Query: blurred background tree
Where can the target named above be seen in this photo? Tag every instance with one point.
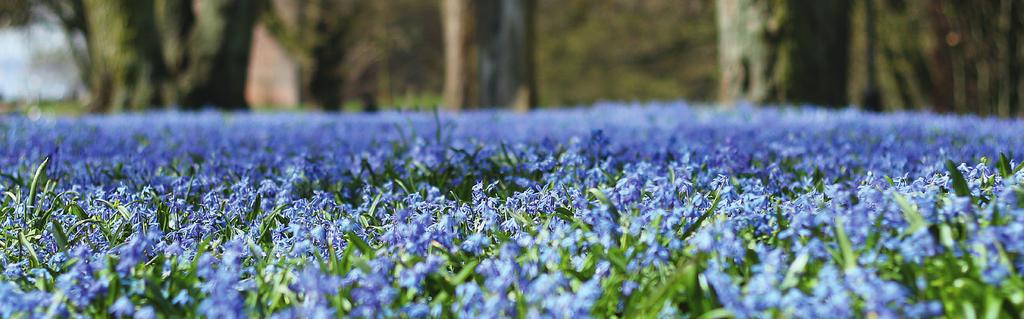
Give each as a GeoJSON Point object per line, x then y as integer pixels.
{"type": "Point", "coordinates": [780, 51]}
{"type": "Point", "coordinates": [141, 54]}
{"type": "Point", "coordinates": [15, 13]}
{"type": "Point", "coordinates": [320, 34]}
{"type": "Point", "coordinates": [489, 53]}
{"type": "Point", "coordinates": [979, 45]}
{"type": "Point", "coordinates": [366, 52]}
{"type": "Point", "coordinates": [943, 55]}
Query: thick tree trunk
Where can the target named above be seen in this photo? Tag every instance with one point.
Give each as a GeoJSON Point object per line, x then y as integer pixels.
{"type": "Point", "coordinates": [793, 51]}
{"type": "Point", "coordinates": [319, 34]}
{"type": "Point", "coordinates": [126, 69]}
{"type": "Point", "coordinates": [144, 54]}
{"type": "Point", "coordinates": [1015, 24]}
{"type": "Point", "coordinates": [871, 98]}
{"type": "Point", "coordinates": [941, 62]}
{"type": "Point", "coordinates": [219, 51]}
{"type": "Point", "coordinates": [457, 22]}
{"type": "Point", "coordinates": [505, 32]}
{"type": "Point", "coordinates": [324, 80]}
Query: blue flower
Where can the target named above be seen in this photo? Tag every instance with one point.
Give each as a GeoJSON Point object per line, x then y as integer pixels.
{"type": "Point", "coordinates": [123, 307]}
{"type": "Point", "coordinates": [146, 312]}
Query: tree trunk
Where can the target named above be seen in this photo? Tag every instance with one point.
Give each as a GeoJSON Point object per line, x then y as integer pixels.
{"type": "Point", "coordinates": [324, 80]}
{"type": "Point", "coordinates": [505, 34]}
{"type": "Point", "coordinates": [941, 62]}
{"type": "Point", "coordinates": [793, 51]}
{"type": "Point", "coordinates": [219, 46]}
{"type": "Point", "coordinates": [457, 22]}
{"type": "Point", "coordinates": [319, 35]}
{"type": "Point", "coordinates": [871, 98]}
{"type": "Point", "coordinates": [979, 56]}
{"type": "Point", "coordinates": [1015, 12]}
{"type": "Point", "coordinates": [126, 70]}
{"type": "Point", "coordinates": [144, 54]}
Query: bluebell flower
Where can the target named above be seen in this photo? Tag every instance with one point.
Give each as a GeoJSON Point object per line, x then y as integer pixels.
{"type": "Point", "coordinates": [511, 193]}
{"type": "Point", "coordinates": [146, 312]}
{"type": "Point", "coordinates": [123, 307]}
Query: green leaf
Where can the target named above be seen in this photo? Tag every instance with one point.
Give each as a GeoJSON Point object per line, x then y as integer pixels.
{"type": "Point", "coordinates": [684, 277]}
{"type": "Point", "coordinates": [946, 236]}
{"type": "Point", "coordinates": [345, 262]}
{"type": "Point", "coordinates": [992, 304]}
{"type": "Point", "coordinates": [76, 210]}
{"type": "Point", "coordinates": [566, 215]}
{"type": "Point", "coordinates": [373, 206]}
{"type": "Point", "coordinates": [910, 212]}
{"type": "Point", "coordinates": [257, 205]}
{"type": "Point", "coordinates": [30, 249]}
{"type": "Point", "coordinates": [464, 274]}
{"type": "Point", "coordinates": [163, 217]}
{"type": "Point", "coordinates": [1005, 170]}
{"type": "Point", "coordinates": [845, 247]}
{"type": "Point", "coordinates": [360, 244]}
{"type": "Point", "coordinates": [969, 312]}
{"type": "Point", "coordinates": [717, 314]}
{"type": "Point", "coordinates": [959, 183]}
{"type": "Point", "coordinates": [59, 235]}
{"type": "Point", "coordinates": [267, 227]}
{"type": "Point", "coordinates": [696, 224]}
{"type": "Point", "coordinates": [818, 178]}
{"type": "Point", "coordinates": [39, 174]}
{"type": "Point", "coordinates": [601, 197]}
{"type": "Point", "coordinates": [795, 269]}
{"type": "Point", "coordinates": [618, 259]}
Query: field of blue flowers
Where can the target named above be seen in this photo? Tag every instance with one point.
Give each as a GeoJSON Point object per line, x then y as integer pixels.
{"type": "Point", "coordinates": [660, 210]}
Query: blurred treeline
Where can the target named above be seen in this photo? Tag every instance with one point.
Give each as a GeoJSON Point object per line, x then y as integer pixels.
{"type": "Point", "coordinates": [944, 55]}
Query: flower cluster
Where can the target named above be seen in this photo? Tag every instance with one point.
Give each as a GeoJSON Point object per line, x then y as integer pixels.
{"type": "Point", "coordinates": [657, 210]}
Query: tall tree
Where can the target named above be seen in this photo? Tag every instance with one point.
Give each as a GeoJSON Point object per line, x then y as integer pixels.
{"type": "Point", "coordinates": [126, 69]}
{"type": "Point", "coordinates": [499, 34]}
{"type": "Point", "coordinates": [940, 61]}
{"type": "Point", "coordinates": [784, 50]}
{"type": "Point", "coordinates": [1014, 15]}
{"type": "Point", "coordinates": [457, 23]}
{"type": "Point", "coordinates": [871, 98]}
{"type": "Point", "coordinates": [142, 54]}
{"type": "Point", "coordinates": [505, 33]}
{"type": "Point", "coordinates": [902, 74]}
{"type": "Point", "coordinates": [206, 50]}
{"type": "Point", "coordinates": [319, 33]}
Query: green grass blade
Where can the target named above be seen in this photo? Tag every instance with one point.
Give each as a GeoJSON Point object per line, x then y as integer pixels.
{"type": "Point", "coordinates": [959, 183]}
{"type": "Point", "coordinates": [845, 247]}
{"type": "Point", "coordinates": [40, 174]}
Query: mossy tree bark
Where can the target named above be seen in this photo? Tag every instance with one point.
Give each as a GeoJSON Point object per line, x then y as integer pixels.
{"type": "Point", "coordinates": [784, 51]}
{"type": "Point", "coordinates": [125, 61]}
{"type": "Point", "coordinates": [145, 54]}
